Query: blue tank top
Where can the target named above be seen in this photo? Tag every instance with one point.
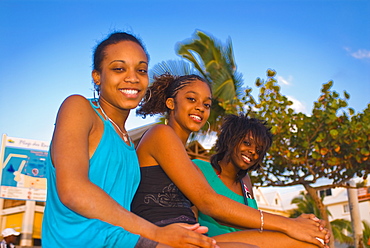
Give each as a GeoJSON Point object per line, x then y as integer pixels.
{"type": "Point", "coordinates": [113, 167]}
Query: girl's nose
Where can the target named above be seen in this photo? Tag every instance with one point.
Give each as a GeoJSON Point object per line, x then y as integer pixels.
{"type": "Point", "coordinates": [131, 78]}
{"type": "Point", "coordinates": [200, 107]}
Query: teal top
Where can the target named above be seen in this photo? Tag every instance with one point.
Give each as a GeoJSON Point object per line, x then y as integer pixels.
{"type": "Point", "coordinates": [113, 167]}
{"type": "Point", "coordinates": [214, 228]}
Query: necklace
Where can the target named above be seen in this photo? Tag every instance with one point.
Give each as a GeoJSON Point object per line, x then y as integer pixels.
{"type": "Point", "coordinates": [124, 134]}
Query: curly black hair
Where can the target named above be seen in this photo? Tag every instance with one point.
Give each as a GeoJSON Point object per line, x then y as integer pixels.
{"type": "Point", "coordinates": [232, 133]}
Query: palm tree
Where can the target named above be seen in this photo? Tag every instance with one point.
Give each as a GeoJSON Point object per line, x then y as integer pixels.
{"type": "Point", "coordinates": [366, 234]}
{"type": "Point", "coordinates": [305, 204]}
{"type": "Point", "coordinates": [341, 228]}
{"type": "Point", "coordinates": [342, 231]}
{"type": "Point", "coordinates": [215, 62]}
{"type": "Point", "coordinates": [174, 67]}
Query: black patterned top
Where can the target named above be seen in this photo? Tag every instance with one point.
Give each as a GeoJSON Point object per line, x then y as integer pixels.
{"type": "Point", "coordinates": [159, 201]}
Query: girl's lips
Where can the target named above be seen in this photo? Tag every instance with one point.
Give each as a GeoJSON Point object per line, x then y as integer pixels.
{"type": "Point", "coordinates": [131, 93]}
{"type": "Point", "coordinates": [196, 118]}
{"type": "Point", "coordinates": [246, 159]}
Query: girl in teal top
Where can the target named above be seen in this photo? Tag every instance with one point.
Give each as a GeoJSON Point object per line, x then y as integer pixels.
{"type": "Point", "coordinates": [215, 228]}
{"type": "Point", "coordinates": [241, 146]}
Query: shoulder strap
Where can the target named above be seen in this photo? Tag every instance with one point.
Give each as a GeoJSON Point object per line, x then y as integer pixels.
{"type": "Point", "coordinates": [246, 193]}
{"type": "Point", "coordinates": [95, 105]}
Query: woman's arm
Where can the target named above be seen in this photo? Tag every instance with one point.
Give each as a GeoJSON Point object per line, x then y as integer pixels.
{"type": "Point", "coordinates": [77, 127]}
{"type": "Point", "coordinates": [162, 145]}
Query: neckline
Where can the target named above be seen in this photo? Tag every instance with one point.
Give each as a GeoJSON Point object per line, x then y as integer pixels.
{"type": "Point", "coordinates": [223, 184]}
{"type": "Point", "coordinates": [125, 135]}
{"type": "Point", "coordinates": [96, 105]}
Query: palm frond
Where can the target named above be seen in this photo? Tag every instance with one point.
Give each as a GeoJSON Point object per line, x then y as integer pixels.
{"type": "Point", "coordinates": [173, 67]}
{"type": "Point", "coordinates": [339, 226]}
{"type": "Point", "coordinates": [216, 63]}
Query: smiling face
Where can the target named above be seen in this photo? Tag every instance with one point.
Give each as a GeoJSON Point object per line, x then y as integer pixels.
{"type": "Point", "coordinates": [123, 78]}
{"type": "Point", "coordinates": [190, 108]}
{"type": "Point", "coordinates": [246, 154]}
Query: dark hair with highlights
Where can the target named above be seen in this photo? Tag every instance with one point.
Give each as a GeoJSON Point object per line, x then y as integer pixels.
{"type": "Point", "coordinates": [114, 38]}
{"type": "Point", "coordinates": [164, 86]}
{"type": "Point", "coordinates": [232, 133]}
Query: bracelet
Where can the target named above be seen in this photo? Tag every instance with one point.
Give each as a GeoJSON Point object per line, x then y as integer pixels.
{"type": "Point", "coordinates": [261, 229]}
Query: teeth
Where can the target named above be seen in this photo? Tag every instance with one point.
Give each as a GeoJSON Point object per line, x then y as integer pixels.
{"type": "Point", "coordinates": [129, 91]}
{"type": "Point", "coordinates": [196, 117]}
{"type": "Point", "coordinates": [246, 158]}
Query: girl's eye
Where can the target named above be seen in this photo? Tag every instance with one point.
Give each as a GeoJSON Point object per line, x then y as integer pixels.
{"type": "Point", "coordinates": [191, 99]}
{"type": "Point", "coordinates": [118, 69]}
{"type": "Point", "coordinates": [143, 71]}
{"type": "Point", "coordinates": [207, 105]}
{"type": "Point", "coordinates": [247, 143]}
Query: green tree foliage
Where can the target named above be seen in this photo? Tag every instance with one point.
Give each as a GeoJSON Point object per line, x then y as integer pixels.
{"type": "Point", "coordinates": [215, 62]}
{"type": "Point", "coordinates": [209, 58]}
{"type": "Point", "coordinates": [333, 142]}
{"type": "Point", "coordinates": [339, 226]}
{"type": "Point", "coordinates": [366, 234]}
{"type": "Point", "coordinates": [305, 204]}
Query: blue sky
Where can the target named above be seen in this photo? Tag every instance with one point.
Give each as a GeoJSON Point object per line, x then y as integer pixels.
{"type": "Point", "coordinates": [46, 47]}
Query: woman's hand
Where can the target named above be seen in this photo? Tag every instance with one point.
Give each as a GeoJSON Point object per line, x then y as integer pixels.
{"type": "Point", "coordinates": [323, 229]}
{"type": "Point", "coordinates": [195, 227]}
{"type": "Point", "coordinates": [307, 227]}
{"type": "Point", "coordinates": [183, 235]}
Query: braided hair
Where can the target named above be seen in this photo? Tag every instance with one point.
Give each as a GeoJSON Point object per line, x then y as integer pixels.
{"type": "Point", "coordinates": [164, 86]}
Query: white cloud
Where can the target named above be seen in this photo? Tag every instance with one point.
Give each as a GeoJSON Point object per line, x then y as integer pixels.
{"type": "Point", "coordinates": [359, 54]}
{"type": "Point", "coordinates": [347, 49]}
{"type": "Point", "coordinates": [284, 81]}
{"type": "Point", "coordinates": [297, 105]}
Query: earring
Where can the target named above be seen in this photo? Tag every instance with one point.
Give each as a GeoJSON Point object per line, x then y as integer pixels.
{"type": "Point", "coordinates": [150, 94]}
{"type": "Point", "coordinates": [94, 94]}
{"type": "Point", "coordinates": [209, 128]}
{"type": "Point", "coordinates": [97, 92]}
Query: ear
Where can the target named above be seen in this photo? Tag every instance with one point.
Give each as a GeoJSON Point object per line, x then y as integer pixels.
{"type": "Point", "coordinates": [96, 77]}
{"type": "Point", "coordinates": [170, 103]}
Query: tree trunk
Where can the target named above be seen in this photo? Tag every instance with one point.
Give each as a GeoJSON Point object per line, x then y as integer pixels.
{"type": "Point", "coordinates": [355, 214]}
{"type": "Point", "coordinates": [313, 193]}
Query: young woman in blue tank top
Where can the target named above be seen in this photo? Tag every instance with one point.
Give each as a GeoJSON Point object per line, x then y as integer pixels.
{"type": "Point", "coordinates": [93, 171]}
{"type": "Point", "coordinates": [171, 182]}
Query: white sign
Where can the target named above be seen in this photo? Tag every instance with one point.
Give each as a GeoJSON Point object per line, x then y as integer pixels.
{"type": "Point", "coordinates": [23, 174]}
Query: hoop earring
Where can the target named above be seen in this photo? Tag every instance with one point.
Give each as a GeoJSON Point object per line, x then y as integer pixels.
{"type": "Point", "coordinates": [150, 94]}
{"type": "Point", "coordinates": [209, 128]}
{"type": "Point", "coordinates": [95, 91]}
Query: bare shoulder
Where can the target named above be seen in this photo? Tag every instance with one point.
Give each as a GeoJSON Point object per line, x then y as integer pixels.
{"type": "Point", "coordinates": [75, 106]}
{"type": "Point", "coordinates": [160, 130]}
{"type": "Point", "coordinates": [75, 109]}
{"type": "Point", "coordinates": [157, 141]}
{"type": "Point", "coordinates": [75, 101]}
{"type": "Point", "coordinates": [157, 134]}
